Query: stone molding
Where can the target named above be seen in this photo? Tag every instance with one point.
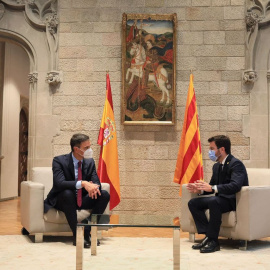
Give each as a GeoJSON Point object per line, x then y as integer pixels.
{"type": "Point", "coordinates": [2, 11]}
{"type": "Point", "coordinates": [42, 15]}
{"type": "Point", "coordinates": [256, 16]}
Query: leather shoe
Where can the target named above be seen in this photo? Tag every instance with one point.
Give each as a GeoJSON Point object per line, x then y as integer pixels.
{"type": "Point", "coordinates": [211, 246]}
{"type": "Point", "coordinates": [202, 244]}
{"type": "Point", "coordinates": [88, 239]}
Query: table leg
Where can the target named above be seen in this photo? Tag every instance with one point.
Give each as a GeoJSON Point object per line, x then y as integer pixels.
{"type": "Point", "coordinates": [79, 247]}
{"type": "Point", "coordinates": [176, 249]}
{"type": "Point", "coordinates": [94, 240]}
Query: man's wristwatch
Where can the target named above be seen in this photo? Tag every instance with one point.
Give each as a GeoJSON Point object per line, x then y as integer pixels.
{"type": "Point", "coordinates": [213, 189]}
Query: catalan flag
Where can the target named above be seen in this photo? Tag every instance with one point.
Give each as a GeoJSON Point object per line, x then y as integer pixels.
{"type": "Point", "coordinates": [189, 165]}
{"type": "Point", "coordinates": [108, 167]}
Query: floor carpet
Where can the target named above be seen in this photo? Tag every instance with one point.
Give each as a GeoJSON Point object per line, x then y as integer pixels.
{"type": "Point", "coordinates": [57, 253]}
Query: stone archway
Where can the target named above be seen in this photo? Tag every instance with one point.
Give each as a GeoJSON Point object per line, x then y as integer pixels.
{"type": "Point", "coordinates": [33, 25]}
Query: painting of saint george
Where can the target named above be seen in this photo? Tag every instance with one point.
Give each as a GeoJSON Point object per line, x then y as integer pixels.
{"type": "Point", "coordinates": [148, 69]}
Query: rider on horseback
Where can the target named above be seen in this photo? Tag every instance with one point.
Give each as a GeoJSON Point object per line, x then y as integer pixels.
{"type": "Point", "coordinates": [151, 63]}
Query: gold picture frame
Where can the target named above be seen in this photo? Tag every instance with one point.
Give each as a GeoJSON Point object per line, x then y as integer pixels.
{"type": "Point", "coordinates": [148, 69]}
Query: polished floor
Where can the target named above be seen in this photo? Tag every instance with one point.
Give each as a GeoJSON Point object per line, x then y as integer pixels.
{"type": "Point", "coordinates": [10, 224]}
{"type": "Point", "coordinates": [137, 251]}
{"type": "Point", "coordinates": [10, 217]}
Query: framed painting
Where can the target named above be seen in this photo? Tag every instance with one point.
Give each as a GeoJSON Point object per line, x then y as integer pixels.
{"type": "Point", "coordinates": [148, 69]}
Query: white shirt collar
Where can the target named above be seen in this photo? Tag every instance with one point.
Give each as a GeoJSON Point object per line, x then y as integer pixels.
{"type": "Point", "coordinates": [75, 160]}
{"type": "Point", "coordinates": [223, 161]}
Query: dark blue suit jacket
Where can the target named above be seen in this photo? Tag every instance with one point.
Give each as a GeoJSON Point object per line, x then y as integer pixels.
{"type": "Point", "coordinates": [232, 178]}
{"type": "Point", "coordinates": [64, 177]}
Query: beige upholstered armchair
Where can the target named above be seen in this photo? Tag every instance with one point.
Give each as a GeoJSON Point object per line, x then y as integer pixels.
{"type": "Point", "coordinates": [250, 221]}
{"type": "Point", "coordinates": [33, 193]}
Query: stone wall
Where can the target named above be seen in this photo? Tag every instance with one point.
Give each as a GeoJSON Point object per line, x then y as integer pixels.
{"type": "Point", "coordinates": [210, 42]}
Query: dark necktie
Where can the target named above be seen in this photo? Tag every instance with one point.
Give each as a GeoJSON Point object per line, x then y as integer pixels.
{"type": "Point", "coordinates": [79, 191]}
{"type": "Point", "coordinates": [220, 172]}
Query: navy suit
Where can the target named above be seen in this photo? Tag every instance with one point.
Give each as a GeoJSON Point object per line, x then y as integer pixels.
{"type": "Point", "coordinates": [62, 196]}
{"type": "Point", "coordinates": [229, 181]}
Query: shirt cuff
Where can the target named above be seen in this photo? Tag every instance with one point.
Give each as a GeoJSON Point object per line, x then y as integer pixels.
{"type": "Point", "coordinates": [215, 188]}
{"type": "Point", "coordinates": [79, 185]}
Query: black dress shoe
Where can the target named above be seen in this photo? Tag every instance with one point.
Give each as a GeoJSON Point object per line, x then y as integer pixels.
{"type": "Point", "coordinates": [202, 244]}
{"type": "Point", "coordinates": [86, 244]}
{"type": "Point", "coordinates": [211, 246]}
{"type": "Point", "coordinates": [87, 238]}
{"type": "Point", "coordinates": [87, 241]}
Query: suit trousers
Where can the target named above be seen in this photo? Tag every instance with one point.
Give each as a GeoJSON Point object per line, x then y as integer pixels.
{"type": "Point", "coordinates": [217, 206]}
{"type": "Point", "coordinates": [67, 202]}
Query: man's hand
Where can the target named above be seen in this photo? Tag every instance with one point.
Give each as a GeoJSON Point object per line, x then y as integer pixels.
{"type": "Point", "coordinates": [201, 185]}
{"type": "Point", "coordinates": [91, 188]}
{"type": "Point", "coordinates": [192, 188]}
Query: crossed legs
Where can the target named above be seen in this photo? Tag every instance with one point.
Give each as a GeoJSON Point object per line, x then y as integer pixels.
{"type": "Point", "coordinates": [66, 202]}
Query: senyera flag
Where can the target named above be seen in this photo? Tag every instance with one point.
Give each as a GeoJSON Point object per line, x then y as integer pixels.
{"type": "Point", "coordinates": [108, 167]}
{"type": "Point", "coordinates": [189, 165]}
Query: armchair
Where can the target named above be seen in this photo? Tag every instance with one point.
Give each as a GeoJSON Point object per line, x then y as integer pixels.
{"type": "Point", "coordinates": [250, 221]}
{"type": "Point", "coordinates": [33, 193]}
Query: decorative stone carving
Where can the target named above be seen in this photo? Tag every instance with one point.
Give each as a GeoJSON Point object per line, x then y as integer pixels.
{"type": "Point", "coordinates": [54, 78]}
{"type": "Point", "coordinates": [52, 23]}
{"type": "Point", "coordinates": [250, 76]}
{"type": "Point", "coordinates": [18, 4]}
{"type": "Point", "coordinates": [33, 77]}
{"type": "Point", "coordinates": [252, 19]}
{"type": "Point", "coordinates": [42, 14]}
{"type": "Point", "coordinates": [2, 11]}
{"type": "Point", "coordinates": [257, 15]}
{"type": "Point", "coordinates": [31, 3]}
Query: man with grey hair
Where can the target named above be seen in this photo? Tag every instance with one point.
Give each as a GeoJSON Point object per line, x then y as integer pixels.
{"type": "Point", "coordinates": [76, 185]}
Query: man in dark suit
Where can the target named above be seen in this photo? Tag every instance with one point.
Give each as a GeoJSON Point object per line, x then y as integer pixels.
{"type": "Point", "coordinates": [76, 185]}
{"type": "Point", "coordinates": [229, 175]}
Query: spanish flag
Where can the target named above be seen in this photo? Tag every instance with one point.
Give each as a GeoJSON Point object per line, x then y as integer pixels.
{"type": "Point", "coordinates": [189, 165]}
{"type": "Point", "coordinates": [108, 167]}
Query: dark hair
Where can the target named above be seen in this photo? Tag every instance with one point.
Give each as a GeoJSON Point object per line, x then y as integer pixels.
{"type": "Point", "coordinates": [222, 141]}
{"type": "Point", "coordinates": [77, 139]}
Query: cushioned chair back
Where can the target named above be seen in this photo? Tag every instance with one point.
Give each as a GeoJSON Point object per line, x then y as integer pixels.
{"type": "Point", "coordinates": [44, 176]}
{"type": "Point", "coordinates": [258, 176]}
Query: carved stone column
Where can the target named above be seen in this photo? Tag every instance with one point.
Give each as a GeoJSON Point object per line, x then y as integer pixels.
{"type": "Point", "coordinates": [256, 124]}
{"type": "Point", "coordinates": [256, 17]}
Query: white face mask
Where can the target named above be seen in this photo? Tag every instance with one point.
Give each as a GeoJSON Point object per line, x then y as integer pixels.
{"type": "Point", "coordinates": [88, 153]}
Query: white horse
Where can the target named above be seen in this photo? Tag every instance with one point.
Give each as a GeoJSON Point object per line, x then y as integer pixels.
{"type": "Point", "coordinates": [160, 77]}
{"type": "Point", "coordinates": [139, 57]}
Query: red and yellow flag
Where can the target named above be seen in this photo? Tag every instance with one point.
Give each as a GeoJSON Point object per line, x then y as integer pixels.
{"type": "Point", "coordinates": [189, 165]}
{"type": "Point", "coordinates": [108, 167]}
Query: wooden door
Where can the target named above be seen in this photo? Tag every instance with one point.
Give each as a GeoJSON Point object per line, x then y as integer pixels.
{"type": "Point", "coordinates": [23, 149]}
